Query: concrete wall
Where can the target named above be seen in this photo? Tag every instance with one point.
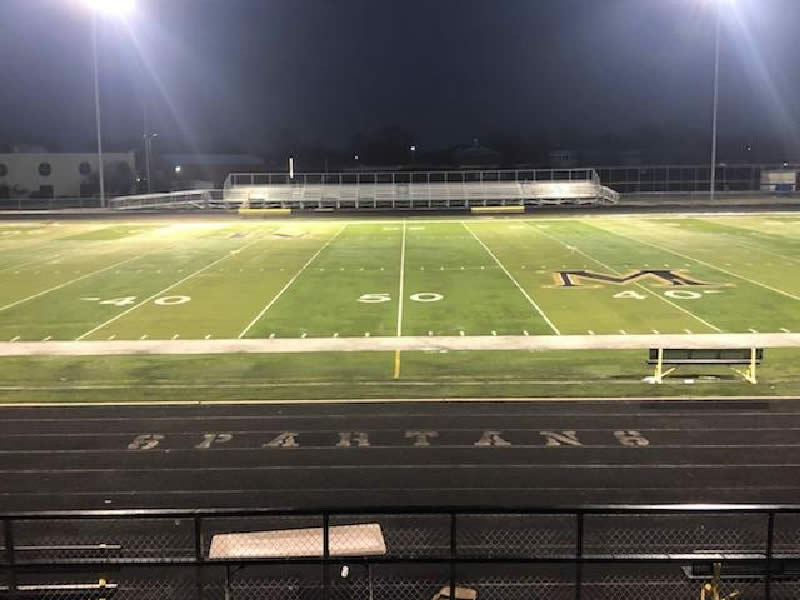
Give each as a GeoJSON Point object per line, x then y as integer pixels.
{"type": "Point", "coordinates": [20, 171]}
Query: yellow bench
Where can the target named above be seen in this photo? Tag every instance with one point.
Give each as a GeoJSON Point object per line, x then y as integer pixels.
{"type": "Point", "coordinates": [494, 210]}
{"type": "Point", "coordinates": [265, 212]}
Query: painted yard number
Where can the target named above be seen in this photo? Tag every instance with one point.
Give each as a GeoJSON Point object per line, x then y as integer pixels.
{"type": "Point", "coordinates": [420, 297]}
{"type": "Point", "coordinates": [674, 294]}
{"type": "Point", "coordinates": [131, 300]}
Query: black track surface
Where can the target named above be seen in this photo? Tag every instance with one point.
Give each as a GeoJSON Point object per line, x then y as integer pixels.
{"type": "Point", "coordinates": [696, 451]}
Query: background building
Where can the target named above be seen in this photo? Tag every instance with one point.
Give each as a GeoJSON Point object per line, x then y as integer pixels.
{"type": "Point", "coordinates": [52, 175]}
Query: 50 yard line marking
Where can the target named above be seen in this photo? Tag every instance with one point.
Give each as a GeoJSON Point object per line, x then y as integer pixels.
{"type": "Point", "coordinates": [166, 289]}
{"type": "Point", "coordinates": [400, 301]}
{"type": "Point", "coordinates": [289, 284]}
{"type": "Point", "coordinates": [645, 288]}
{"type": "Point", "coordinates": [514, 281]}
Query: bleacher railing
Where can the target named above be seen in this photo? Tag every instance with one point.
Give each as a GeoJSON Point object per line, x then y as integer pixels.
{"type": "Point", "coordinates": [585, 552]}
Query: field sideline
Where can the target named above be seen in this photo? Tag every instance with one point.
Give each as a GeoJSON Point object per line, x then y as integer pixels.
{"type": "Point", "coordinates": [206, 280]}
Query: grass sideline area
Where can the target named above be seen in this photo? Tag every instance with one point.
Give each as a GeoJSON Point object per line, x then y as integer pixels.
{"type": "Point", "coordinates": [176, 279]}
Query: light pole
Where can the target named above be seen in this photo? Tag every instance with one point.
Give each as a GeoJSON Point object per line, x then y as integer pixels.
{"type": "Point", "coordinates": [712, 187]}
{"type": "Point", "coordinates": [119, 8]}
{"type": "Point", "coordinates": [148, 149]}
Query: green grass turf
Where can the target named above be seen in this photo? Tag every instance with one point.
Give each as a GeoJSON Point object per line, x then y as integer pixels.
{"type": "Point", "coordinates": [196, 279]}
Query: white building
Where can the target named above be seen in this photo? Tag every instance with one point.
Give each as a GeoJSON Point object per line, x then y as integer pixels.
{"type": "Point", "coordinates": [50, 174]}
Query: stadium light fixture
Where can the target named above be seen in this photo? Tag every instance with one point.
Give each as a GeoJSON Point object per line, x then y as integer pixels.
{"type": "Point", "coordinates": [119, 8]}
{"type": "Point", "coordinates": [178, 169]}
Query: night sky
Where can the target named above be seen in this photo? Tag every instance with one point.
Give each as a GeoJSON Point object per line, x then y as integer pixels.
{"type": "Point", "coordinates": [251, 75]}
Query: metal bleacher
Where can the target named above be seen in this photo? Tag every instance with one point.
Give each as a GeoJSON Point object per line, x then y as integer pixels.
{"type": "Point", "coordinates": [398, 190]}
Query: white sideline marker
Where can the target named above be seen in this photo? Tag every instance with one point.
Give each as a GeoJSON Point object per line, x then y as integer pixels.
{"type": "Point", "coordinates": [48, 338]}
{"type": "Point", "coordinates": [494, 332]}
{"type": "Point", "coordinates": [144, 337]}
{"type": "Point", "coordinates": [751, 330]}
{"type": "Point", "coordinates": [689, 331]}
{"type": "Point", "coordinates": [15, 338]}
{"type": "Point", "coordinates": [208, 336]}
{"type": "Point", "coordinates": [272, 336]}
{"type": "Point", "coordinates": [525, 332]}
{"type": "Point", "coordinates": [784, 330]}
{"type": "Point", "coordinates": [175, 337]}
{"type": "Point", "coordinates": [591, 332]}
{"type": "Point", "coordinates": [461, 332]}
{"type": "Point", "coordinates": [303, 336]}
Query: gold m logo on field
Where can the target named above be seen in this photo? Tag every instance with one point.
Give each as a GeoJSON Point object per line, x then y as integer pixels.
{"type": "Point", "coordinates": [576, 278]}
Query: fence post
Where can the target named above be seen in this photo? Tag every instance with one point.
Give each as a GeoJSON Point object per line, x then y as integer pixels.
{"type": "Point", "coordinates": [453, 556]}
{"type": "Point", "coordinates": [326, 554]}
{"type": "Point", "coordinates": [578, 555]}
{"type": "Point", "coordinates": [8, 535]}
{"type": "Point", "coordinates": [770, 545]}
{"type": "Point", "coordinates": [198, 555]}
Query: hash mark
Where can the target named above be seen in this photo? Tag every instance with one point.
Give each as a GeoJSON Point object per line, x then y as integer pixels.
{"type": "Point", "coordinates": [751, 330]}
{"type": "Point", "coordinates": [111, 337]}
{"type": "Point", "coordinates": [144, 337]}
{"type": "Point", "coordinates": [175, 337]}
{"type": "Point", "coordinates": [460, 332]}
{"type": "Point", "coordinates": [303, 336]}
{"type": "Point", "coordinates": [784, 330]}
{"type": "Point", "coordinates": [591, 332]}
{"type": "Point", "coordinates": [208, 336]}
{"type": "Point", "coordinates": [494, 332]}
{"type": "Point", "coordinates": [15, 338]}
{"type": "Point", "coordinates": [272, 336]}
{"type": "Point", "coordinates": [689, 331]}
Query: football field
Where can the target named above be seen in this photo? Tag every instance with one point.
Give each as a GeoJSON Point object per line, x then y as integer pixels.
{"type": "Point", "coordinates": [190, 279]}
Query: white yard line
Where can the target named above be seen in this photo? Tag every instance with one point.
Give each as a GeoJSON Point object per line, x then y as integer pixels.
{"type": "Point", "coordinates": [514, 281]}
{"type": "Point", "coordinates": [402, 283]}
{"type": "Point", "coordinates": [289, 284]}
{"type": "Point", "coordinates": [70, 282]}
{"type": "Point", "coordinates": [166, 289]}
{"type": "Point", "coordinates": [706, 264]}
{"type": "Point", "coordinates": [639, 285]}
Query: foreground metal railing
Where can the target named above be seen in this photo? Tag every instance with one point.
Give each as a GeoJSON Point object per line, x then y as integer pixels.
{"type": "Point", "coordinates": [607, 551]}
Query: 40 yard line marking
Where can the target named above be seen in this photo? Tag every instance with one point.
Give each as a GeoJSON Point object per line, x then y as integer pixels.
{"type": "Point", "coordinates": [400, 301]}
{"type": "Point", "coordinates": [706, 264]}
{"type": "Point", "coordinates": [645, 288]}
{"type": "Point", "coordinates": [166, 289]}
{"type": "Point", "coordinates": [289, 284]}
{"type": "Point", "coordinates": [70, 282]}
{"type": "Point", "coordinates": [514, 281]}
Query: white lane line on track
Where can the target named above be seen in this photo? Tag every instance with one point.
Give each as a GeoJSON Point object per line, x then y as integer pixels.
{"type": "Point", "coordinates": [514, 281]}
{"type": "Point", "coordinates": [639, 285]}
{"type": "Point", "coordinates": [165, 290]}
{"type": "Point", "coordinates": [289, 284]}
{"type": "Point", "coordinates": [70, 282]}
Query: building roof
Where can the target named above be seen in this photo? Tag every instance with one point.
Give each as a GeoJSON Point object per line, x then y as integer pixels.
{"type": "Point", "coordinates": [213, 159]}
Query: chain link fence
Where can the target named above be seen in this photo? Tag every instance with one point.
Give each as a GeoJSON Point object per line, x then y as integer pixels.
{"type": "Point", "coordinates": [612, 553]}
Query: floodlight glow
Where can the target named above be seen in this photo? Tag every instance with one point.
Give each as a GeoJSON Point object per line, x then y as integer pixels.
{"type": "Point", "coordinates": [178, 169]}
{"type": "Point", "coordinates": [112, 7]}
